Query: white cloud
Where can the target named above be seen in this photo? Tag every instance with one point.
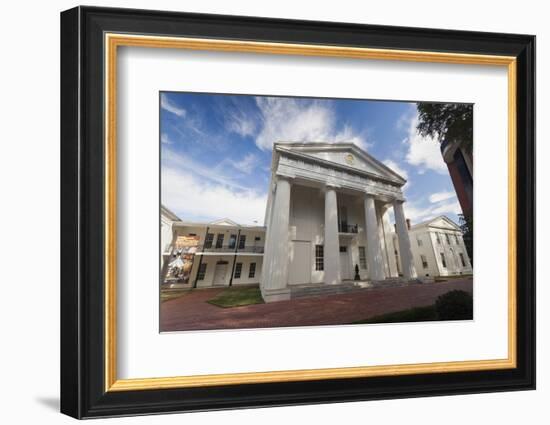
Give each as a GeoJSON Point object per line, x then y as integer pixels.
{"type": "Point", "coordinates": [167, 105]}
{"type": "Point", "coordinates": [285, 119]}
{"type": "Point", "coordinates": [418, 214]}
{"type": "Point", "coordinates": [396, 167]}
{"type": "Point", "coordinates": [210, 174]}
{"type": "Point", "coordinates": [247, 164]}
{"type": "Point", "coordinates": [441, 196]}
{"type": "Point", "coordinates": [193, 198]}
{"type": "Point", "coordinates": [240, 123]}
{"type": "Point", "coordinates": [423, 152]}
{"type": "Point", "coordinates": [164, 138]}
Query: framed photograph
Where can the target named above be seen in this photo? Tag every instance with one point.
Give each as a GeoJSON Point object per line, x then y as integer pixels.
{"type": "Point", "coordinates": [261, 212]}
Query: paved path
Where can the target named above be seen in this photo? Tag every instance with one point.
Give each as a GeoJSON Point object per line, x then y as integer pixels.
{"type": "Point", "coordinates": [192, 312]}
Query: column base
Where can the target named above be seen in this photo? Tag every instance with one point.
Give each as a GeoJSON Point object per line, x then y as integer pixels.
{"type": "Point", "coordinates": [425, 279]}
{"type": "Point", "coordinates": [274, 295]}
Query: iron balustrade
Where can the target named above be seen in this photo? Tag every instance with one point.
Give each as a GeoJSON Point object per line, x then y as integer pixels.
{"type": "Point", "coordinates": [347, 228]}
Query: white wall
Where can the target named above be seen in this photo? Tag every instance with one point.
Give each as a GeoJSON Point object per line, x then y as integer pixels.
{"type": "Point", "coordinates": [307, 226]}
{"type": "Point", "coordinates": [165, 238]}
{"type": "Point", "coordinates": [431, 249]}
{"type": "Point", "coordinates": [29, 171]}
{"type": "Point", "coordinates": [211, 260]}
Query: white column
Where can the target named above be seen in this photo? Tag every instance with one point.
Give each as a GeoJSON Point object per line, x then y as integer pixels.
{"type": "Point", "coordinates": [407, 262]}
{"type": "Point", "coordinates": [375, 261]}
{"type": "Point", "coordinates": [267, 224]}
{"type": "Point", "coordinates": [332, 240]}
{"type": "Point", "coordinates": [275, 276]}
{"type": "Point", "coordinates": [382, 240]}
{"type": "Point", "coordinates": [390, 248]}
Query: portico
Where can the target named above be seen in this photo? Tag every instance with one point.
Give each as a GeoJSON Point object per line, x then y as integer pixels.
{"type": "Point", "coordinates": [327, 215]}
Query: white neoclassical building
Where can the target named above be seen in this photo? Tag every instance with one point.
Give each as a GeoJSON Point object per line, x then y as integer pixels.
{"type": "Point", "coordinates": [327, 211]}
{"type": "Point", "coordinates": [438, 248]}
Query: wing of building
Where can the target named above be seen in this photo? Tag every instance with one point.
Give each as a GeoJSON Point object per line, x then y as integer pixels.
{"type": "Point", "coordinates": [219, 253]}
{"type": "Point", "coordinates": [438, 248]}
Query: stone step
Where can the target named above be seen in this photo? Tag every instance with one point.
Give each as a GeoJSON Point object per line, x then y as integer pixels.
{"type": "Point", "coordinates": [346, 288]}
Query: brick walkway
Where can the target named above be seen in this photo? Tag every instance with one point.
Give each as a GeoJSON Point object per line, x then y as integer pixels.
{"type": "Point", "coordinates": [192, 312]}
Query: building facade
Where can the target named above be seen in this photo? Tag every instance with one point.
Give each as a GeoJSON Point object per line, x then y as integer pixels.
{"type": "Point", "coordinates": [327, 212]}
{"type": "Point", "coordinates": [217, 254]}
{"type": "Point", "coordinates": [327, 222]}
{"type": "Point", "coordinates": [460, 165]}
{"type": "Point", "coordinates": [438, 249]}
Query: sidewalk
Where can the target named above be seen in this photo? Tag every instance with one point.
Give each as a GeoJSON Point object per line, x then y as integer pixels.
{"type": "Point", "coordinates": [192, 312]}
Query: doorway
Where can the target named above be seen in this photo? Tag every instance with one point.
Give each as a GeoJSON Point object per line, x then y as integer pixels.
{"type": "Point", "coordinates": [220, 273]}
{"type": "Point", "coordinates": [345, 263]}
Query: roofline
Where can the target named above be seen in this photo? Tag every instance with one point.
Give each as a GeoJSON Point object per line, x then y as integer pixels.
{"type": "Point", "coordinates": [223, 226]}
{"type": "Point", "coordinates": [169, 213]}
{"type": "Point", "coordinates": [283, 145]}
{"type": "Point", "coordinates": [427, 222]}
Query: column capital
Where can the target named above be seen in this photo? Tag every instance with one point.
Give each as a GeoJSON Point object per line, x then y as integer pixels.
{"type": "Point", "coordinates": [369, 195]}
{"type": "Point", "coordinates": [331, 185]}
{"type": "Point", "coordinates": [398, 201]}
{"type": "Point", "coordinates": [284, 177]}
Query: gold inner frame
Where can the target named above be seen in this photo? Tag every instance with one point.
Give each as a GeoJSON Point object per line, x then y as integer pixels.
{"type": "Point", "coordinates": [113, 41]}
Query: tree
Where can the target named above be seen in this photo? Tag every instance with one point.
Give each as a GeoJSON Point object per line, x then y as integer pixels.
{"type": "Point", "coordinates": [466, 223]}
{"type": "Point", "coordinates": [446, 121]}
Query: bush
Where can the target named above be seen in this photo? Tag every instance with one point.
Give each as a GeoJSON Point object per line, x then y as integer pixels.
{"type": "Point", "coordinates": [455, 305]}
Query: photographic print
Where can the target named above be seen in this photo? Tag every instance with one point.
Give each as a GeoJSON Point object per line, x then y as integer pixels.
{"type": "Point", "coordinates": [291, 211]}
{"type": "Point", "coordinates": [259, 183]}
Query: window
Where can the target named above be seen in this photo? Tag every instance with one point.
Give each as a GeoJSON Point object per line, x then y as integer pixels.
{"type": "Point", "coordinates": [362, 257]}
{"type": "Point", "coordinates": [419, 241]}
{"type": "Point", "coordinates": [343, 249]}
{"type": "Point", "coordinates": [343, 219]}
{"type": "Point", "coordinates": [424, 261]}
{"type": "Point", "coordinates": [202, 271]}
{"type": "Point", "coordinates": [456, 239]}
{"type": "Point", "coordinates": [219, 241]}
{"type": "Point", "coordinates": [232, 241]}
{"type": "Point", "coordinates": [238, 270]}
{"type": "Point", "coordinates": [447, 239]}
{"type": "Point", "coordinates": [319, 257]}
{"type": "Point", "coordinates": [443, 259]}
{"type": "Point", "coordinates": [208, 240]}
{"type": "Point", "coordinates": [192, 234]}
{"type": "Point", "coordinates": [438, 239]}
{"type": "Point", "coordinates": [257, 238]}
{"type": "Point", "coordinates": [242, 241]}
{"type": "Point", "coordinates": [462, 260]}
{"type": "Point", "coordinates": [252, 270]}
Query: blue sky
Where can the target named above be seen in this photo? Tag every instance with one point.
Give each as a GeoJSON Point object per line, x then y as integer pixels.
{"type": "Point", "coordinates": [216, 150]}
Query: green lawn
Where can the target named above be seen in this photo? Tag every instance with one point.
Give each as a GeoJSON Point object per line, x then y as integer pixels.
{"type": "Point", "coordinates": [417, 314]}
{"type": "Point", "coordinates": [236, 297]}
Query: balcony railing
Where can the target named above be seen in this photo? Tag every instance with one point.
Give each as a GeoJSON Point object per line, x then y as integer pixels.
{"type": "Point", "coordinates": [347, 228]}
{"type": "Point", "coordinates": [252, 249]}
{"type": "Point", "coordinates": [227, 249]}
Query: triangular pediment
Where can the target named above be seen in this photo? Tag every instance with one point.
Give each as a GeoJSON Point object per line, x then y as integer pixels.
{"type": "Point", "coordinates": [224, 222]}
{"type": "Point", "coordinates": [442, 222]}
{"type": "Point", "coordinates": [344, 155]}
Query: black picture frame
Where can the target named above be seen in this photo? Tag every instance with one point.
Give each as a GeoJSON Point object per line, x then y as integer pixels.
{"type": "Point", "coordinates": [83, 392]}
